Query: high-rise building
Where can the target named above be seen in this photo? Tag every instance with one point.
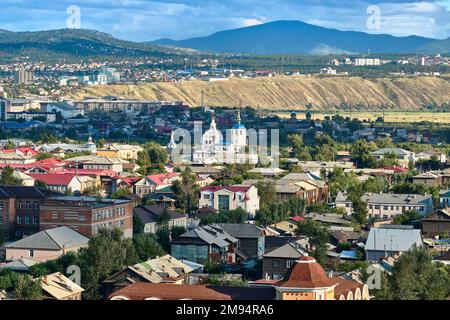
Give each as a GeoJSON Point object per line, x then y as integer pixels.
{"type": "Point", "coordinates": [3, 109]}
{"type": "Point", "coordinates": [24, 77]}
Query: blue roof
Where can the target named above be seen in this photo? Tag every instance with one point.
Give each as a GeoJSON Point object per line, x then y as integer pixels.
{"type": "Point", "coordinates": [349, 255]}
{"type": "Point", "coordinates": [238, 126]}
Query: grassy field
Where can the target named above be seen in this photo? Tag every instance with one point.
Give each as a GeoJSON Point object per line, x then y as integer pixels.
{"type": "Point", "coordinates": [390, 117]}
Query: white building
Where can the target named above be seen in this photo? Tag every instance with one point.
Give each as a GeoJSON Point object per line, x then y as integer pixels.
{"type": "Point", "coordinates": [213, 148]}
{"type": "Point", "coordinates": [226, 198]}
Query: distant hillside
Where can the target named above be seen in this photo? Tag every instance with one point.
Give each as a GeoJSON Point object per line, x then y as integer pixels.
{"type": "Point", "coordinates": [290, 37]}
{"type": "Point", "coordinates": [282, 93]}
{"type": "Point", "coordinates": [73, 43]}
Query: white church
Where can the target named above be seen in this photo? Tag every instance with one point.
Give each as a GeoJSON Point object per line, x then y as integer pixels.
{"type": "Point", "coordinates": [214, 149]}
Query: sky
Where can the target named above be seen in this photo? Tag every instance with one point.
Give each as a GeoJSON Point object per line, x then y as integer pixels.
{"type": "Point", "coordinates": [146, 20]}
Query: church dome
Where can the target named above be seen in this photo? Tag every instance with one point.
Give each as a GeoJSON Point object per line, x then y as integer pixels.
{"type": "Point", "coordinates": [238, 126]}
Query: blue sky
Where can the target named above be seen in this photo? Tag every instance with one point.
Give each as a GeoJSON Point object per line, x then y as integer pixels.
{"type": "Point", "coordinates": [142, 20]}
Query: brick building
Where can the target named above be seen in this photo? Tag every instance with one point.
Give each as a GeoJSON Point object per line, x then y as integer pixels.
{"type": "Point", "coordinates": [19, 210]}
{"type": "Point", "coordinates": [87, 215]}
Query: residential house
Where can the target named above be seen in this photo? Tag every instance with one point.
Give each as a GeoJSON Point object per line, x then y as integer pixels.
{"type": "Point", "coordinates": [444, 198]}
{"type": "Point", "coordinates": [277, 263]}
{"type": "Point", "coordinates": [99, 163]}
{"type": "Point", "coordinates": [165, 269]}
{"type": "Point", "coordinates": [205, 243]}
{"type": "Point", "coordinates": [227, 198]}
{"type": "Point", "coordinates": [404, 157]}
{"type": "Point", "coordinates": [437, 223]}
{"type": "Point", "coordinates": [428, 155]}
{"type": "Point", "coordinates": [19, 210]}
{"type": "Point", "coordinates": [388, 240]}
{"type": "Point", "coordinates": [306, 280]}
{"type": "Point", "coordinates": [67, 182]}
{"type": "Point", "coordinates": [46, 245]}
{"type": "Point", "coordinates": [389, 205]}
{"type": "Point", "coordinates": [122, 151]}
{"type": "Point", "coordinates": [87, 215]}
{"type": "Point", "coordinates": [149, 216]}
{"type": "Point", "coordinates": [250, 236]}
{"type": "Point", "coordinates": [155, 182]}
{"type": "Point", "coordinates": [56, 286]}
{"type": "Point", "coordinates": [429, 179]}
{"type": "Point", "coordinates": [268, 172]}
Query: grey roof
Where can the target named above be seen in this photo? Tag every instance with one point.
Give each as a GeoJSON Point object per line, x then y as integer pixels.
{"type": "Point", "coordinates": [211, 234]}
{"type": "Point", "coordinates": [393, 239]}
{"type": "Point", "coordinates": [300, 177]}
{"type": "Point", "coordinates": [7, 192]}
{"type": "Point", "coordinates": [389, 198]}
{"type": "Point", "coordinates": [242, 230]}
{"type": "Point", "coordinates": [51, 239]}
{"type": "Point", "coordinates": [289, 250]}
{"type": "Point", "coordinates": [396, 151]}
{"type": "Point", "coordinates": [21, 265]}
{"type": "Point", "coordinates": [149, 214]}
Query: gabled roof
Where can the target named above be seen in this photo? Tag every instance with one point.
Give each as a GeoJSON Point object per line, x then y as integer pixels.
{"type": "Point", "coordinates": [289, 251]}
{"type": "Point", "coordinates": [242, 230]}
{"type": "Point", "coordinates": [51, 239]}
{"type": "Point", "coordinates": [392, 239]}
{"type": "Point", "coordinates": [149, 214]}
{"type": "Point", "coordinates": [211, 234]}
{"type": "Point", "coordinates": [54, 178]}
{"type": "Point", "coordinates": [59, 286]}
{"type": "Point", "coordinates": [396, 151]}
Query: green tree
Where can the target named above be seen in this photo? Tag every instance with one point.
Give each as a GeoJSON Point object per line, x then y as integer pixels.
{"type": "Point", "coordinates": [362, 152]}
{"type": "Point", "coordinates": [43, 155]}
{"type": "Point", "coordinates": [7, 177]}
{"type": "Point", "coordinates": [177, 231]}
{"type": "Point", "coordinates": [147, 247]}
{"type": "Point", "coordinates": [27, 289]}
{"type": "Point", "coordinates": [415, 277]}
{"type": "Point", "coordinates": [163, 238]}
{"type": "Point", "coordinates": [40, 184]}
{"type": "Point", "coordinates": [122, 192]}
{"type": "Point", "coordinates": [186, 191]}
{"type": "Point", "coordinates": [108, 252]}
{"type": "Point", "coordinates": [318, 237]}
{"type": "Point", "coordinates": [266, 192]}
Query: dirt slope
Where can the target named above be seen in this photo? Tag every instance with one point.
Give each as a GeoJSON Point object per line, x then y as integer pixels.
{"type": "Point", "coordinates": [283, 93]}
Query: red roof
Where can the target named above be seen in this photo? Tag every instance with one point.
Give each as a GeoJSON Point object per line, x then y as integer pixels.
{"type": "Point", "coordinates": [162, 178]}
{"type": "Point", "coordinates": [52, 161]}
{"type": "Point", "coordinates": [297, 218]}
{"type": "Point", "coordinates": [233, 189]}
{"type": "Point", "coordinates": [91, 172]}
{"type": "Point", "coordinates": [397, 169]}
{"type": "Point", "coordinates": [53, 178]}
{"type": "Point", "coordinates": [23, 150]}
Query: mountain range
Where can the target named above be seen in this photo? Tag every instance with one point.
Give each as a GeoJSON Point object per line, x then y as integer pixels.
{"type": "Point", "coordinates": [296, 37]}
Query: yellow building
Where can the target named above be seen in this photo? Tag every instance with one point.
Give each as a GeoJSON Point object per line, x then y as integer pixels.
{"type": "Point", "coordinates": [307, 280]}
{"type": "Point", "coordinates": [121, 151]}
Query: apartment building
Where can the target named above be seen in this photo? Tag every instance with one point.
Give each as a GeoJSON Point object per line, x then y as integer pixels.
{"type": "Point", "coordinates": [19, 210]}
{"type": "Point", "coordinates": [388, 205]}
{"type": "Point", "coordinates": [87, 215]}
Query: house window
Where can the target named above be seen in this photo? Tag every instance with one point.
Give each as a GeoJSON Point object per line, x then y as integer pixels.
{"type": "Point", "coordinates": [385, 208]}
{"type": "Point", "coordinates": [207, 196]}
{"type": "Point", "coordinates": [19, 219]}
{"type": "Point", "coordinates": [1, 205]}
{"type": "Point", "coordinates": [35, 220]}
{"type": "Point", "coordinates": [28, 205]}
{"type": "Point", "coordinates": [27, 220]}
{"type": "Point", "coordinates": [31, 253]}
{"type": "Point", "coordinates": [1, 220]}
{"type": "Point", "coordinates": [288, 264]}
{"type": "Point", "coordinates": [36, 206]}
{"type": "Point", "coordinates": [224, 203]}
{"type": "Point", "coordinates": [275, 264]}
{"type": "Point", "coordinates": [20, 205]}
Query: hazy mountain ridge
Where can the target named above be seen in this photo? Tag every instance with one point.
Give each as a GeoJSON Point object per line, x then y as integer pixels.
{"type": "Point", "coordinates": [291, 37]}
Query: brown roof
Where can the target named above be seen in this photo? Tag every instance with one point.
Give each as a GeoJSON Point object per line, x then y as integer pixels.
{"type": "Point", "coordinates": [306, 273]}
{"type": "Point", "coordinates": [164, 291]}
{"type": "Point", "coordinates": [344, 286]}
